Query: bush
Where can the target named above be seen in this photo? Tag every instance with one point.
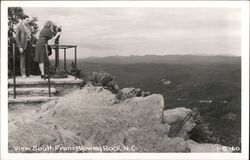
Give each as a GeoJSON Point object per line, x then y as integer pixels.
{"type": "Point", "coordinates": [74, 71]}
{"type": "Point", "coordinates": [127, 93]}
{"type": "Point", "coordinates": [109, 82]}
{"type": "Point", "coordinates": [201, 132]}
{"type": "Point", "coordinates": [104, 79]}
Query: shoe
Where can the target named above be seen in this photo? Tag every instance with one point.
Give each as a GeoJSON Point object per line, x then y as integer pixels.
{"type": "Point", "coordinates": [24, 76]}
{"type": "Point", "coordinates": [44, 77]}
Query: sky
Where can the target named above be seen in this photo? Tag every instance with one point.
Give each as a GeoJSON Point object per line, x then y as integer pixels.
{"type": "Point", "coordinates": [101, 32]}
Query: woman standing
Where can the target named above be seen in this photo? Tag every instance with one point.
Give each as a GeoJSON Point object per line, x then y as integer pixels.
{"type": "Point", "coordinates": [40, 52]}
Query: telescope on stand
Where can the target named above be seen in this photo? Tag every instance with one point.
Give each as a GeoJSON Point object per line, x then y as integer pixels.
{"type": "Point", "coordinates": [56, 72]}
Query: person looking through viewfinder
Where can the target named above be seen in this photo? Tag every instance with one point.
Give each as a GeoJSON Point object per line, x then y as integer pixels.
{"type": "Point", "coordinates": [40, 51]}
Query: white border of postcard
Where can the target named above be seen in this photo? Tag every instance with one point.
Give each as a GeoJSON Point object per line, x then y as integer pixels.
{"type": "Point", "coordinates": [243, 5]}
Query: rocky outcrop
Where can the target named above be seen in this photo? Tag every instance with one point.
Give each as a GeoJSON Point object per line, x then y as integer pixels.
{"type": "Point", "coordinates": [181, 121]}
{"type": "Point", "coordinates": [89, 118]}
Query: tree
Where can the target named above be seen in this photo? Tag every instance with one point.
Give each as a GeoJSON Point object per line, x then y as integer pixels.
{"type": "Point", "coordinates": [14, 14]}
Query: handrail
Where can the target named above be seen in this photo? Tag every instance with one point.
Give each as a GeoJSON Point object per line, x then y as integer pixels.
{"type": "Point", "coordinates": [75, 62]}
{"type": "Point", "coordinates": [49, 81]}
{"type": "Point", "coordinates": [49, 86]}
{"type": "Point", "coordinates": [14, 71]}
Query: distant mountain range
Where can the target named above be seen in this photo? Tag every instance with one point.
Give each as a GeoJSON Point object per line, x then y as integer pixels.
{"type": "Point", "coordinates": [165, 59]}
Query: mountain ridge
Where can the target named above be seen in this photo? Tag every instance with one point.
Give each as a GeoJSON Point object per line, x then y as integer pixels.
{"type": "Point", "coordinates": [164, 59]}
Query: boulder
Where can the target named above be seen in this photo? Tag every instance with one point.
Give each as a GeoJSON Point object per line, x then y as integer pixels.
{"type": "Point", "coordinates": [90, 118]}
{"type": "Point", "coordinates": [181, 121]}
{"type": "Point", "coordinates": [172, 116]}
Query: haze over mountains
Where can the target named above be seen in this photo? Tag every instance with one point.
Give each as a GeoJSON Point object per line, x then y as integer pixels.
{"type": "Point", "coordinates": [166, 59]}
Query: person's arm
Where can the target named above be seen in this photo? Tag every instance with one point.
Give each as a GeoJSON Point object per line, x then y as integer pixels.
{"type": "Point", "coordinates": [52, 40]}
{"type": "Point", "coordinates": [57, 35]}
{"type": "Point", "coordinates": [18, 35]}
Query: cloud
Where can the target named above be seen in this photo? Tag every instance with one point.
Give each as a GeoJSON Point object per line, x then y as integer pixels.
{"type": "Point", "coordinates": [122, 31]}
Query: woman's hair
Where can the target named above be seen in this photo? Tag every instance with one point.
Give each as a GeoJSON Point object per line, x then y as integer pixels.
{"type": "Point", "coordinates": [48, 24]}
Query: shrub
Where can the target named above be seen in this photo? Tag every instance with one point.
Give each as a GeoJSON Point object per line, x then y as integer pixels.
{"type": "Point", "coordinates": [201, 132]}
{"type": "Point", "coordinates": [109, 82]}
{"type": "Point", "coordinates": [127, 93]}
{"type": "Point", "coordinates": [104, 79]}
{"type": "Point", "coordinates": [74, 71]}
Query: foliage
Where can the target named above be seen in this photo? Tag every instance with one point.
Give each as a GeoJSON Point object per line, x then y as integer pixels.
{"type": "Point", "coordinates": [104, 79]}
{"type": "Point", "coordinates": [75, 71]}
{"type": "Point", "coordinates": [109, 82]}
{"type": "Point", "coordinates": [201, 132]}
{"type": "Point", "coordinates": [14, 14]}
{"type": "Point", "coordinates": [130, 93]}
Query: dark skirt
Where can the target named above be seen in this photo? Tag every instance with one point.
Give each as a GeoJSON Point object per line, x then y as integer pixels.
{"type": "Point", "coordinates": [40, 52]}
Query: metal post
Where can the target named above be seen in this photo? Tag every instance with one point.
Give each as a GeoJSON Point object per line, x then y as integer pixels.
{"type": "Point", "coordinates": [55, 60]}
{"type": "Point", "coordinates": [46, 49]}
{"type": "Point", "coordinates": [57, 56]}
{"type": "Point", "coordinates": [14, 71]}
{"type": "Point", "coordinates": [65, 59]}
{"type": "Point", "coordinates": [75, 62]}
{"type": "Point", "coordinates": [49, 82]}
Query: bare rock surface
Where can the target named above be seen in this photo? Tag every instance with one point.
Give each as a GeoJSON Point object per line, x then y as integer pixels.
{"type": "Point", "coordinates": [181, 121]}
{"type": "Point", "coordinates": [91, 118]}
{"type": "Point", "coordinates": [175, 115]}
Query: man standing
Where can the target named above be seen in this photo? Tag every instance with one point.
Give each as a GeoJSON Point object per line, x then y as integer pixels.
{"type": "Point", "coordinates": [23, 40]}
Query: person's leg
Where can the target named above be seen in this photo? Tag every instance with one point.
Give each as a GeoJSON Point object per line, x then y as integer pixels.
{"type": "Point", "coordinates": [28, 58]}
{"type": "Point", "coordinates": [22, 64]}
{"type": "Point", "coordinates": [41, 66]}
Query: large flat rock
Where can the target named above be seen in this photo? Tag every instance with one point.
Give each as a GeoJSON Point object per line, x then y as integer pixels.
{"type": "Point", "coordinates": [91, 117]}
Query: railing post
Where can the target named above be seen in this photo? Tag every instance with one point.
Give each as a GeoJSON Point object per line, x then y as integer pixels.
{"type": "Point", "coordinates": [14, 70]}
{"type": "Point", "coordinates": [75, 61]}
{"type": "Point", "coordinates": [65, 59]}
{"type": "Point", "coordinates": [49, 81]}
{"type": "Point", "coordinates": [46, 50]}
